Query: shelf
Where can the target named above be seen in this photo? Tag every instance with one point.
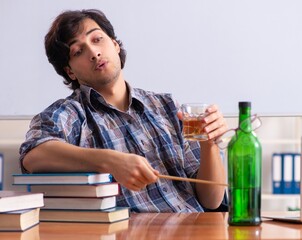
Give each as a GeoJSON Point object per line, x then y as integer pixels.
{"type": "Point", "coordinates": [281, 141]}
{"type": "Point", "coordinates": [268, 196]}
{"type": "Point", "coordinates": [280, 202]}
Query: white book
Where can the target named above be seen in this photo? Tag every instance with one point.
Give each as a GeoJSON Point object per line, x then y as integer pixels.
{"type": "Point", "coordinates": [79, 203]}
{"type": "Point", "coordinates": [62, 178]}
{"type": "Point", "coordinates": [14, 200]}
{"type": "Point", "coordinates": [100, 190]}
{"type": "Point", "coordinates": [101, 216]}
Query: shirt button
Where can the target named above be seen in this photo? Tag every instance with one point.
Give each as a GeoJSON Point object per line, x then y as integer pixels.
{"type": "Point", "coordinates": [165, 189]}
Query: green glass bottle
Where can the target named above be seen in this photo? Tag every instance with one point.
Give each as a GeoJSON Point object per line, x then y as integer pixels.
{"type": "Point", "coordinates": [244, 172]}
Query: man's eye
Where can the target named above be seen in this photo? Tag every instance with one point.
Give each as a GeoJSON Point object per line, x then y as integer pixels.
{"type": "Point", "coordinates": [77, 53]}
{"type": "Point", "coordinates": [97, 39]}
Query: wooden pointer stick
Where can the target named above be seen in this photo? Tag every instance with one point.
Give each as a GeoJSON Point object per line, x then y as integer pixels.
{"type": "Point", "coordinates": [191, 180]}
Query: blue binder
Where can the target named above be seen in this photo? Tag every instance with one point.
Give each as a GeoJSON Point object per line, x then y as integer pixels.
{"type": "Point", "coordinates": [288, 173]}
{"type": "Point", "coordinates": [277, 173]}
{"type": "Point", "coordinates": [297, 172]}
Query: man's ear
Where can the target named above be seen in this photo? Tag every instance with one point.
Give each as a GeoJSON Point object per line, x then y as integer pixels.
{"type": "Point", "coordinates": [70, 73]}
{"type": "Point", "coordinates": [117, 46]}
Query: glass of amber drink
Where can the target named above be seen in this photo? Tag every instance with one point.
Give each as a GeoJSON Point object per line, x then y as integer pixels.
{"type": "Point", "coordinates": [193, 124]}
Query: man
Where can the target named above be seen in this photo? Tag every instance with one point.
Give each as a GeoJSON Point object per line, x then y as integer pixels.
{"type": "Point", "coordinates": [108, 126]}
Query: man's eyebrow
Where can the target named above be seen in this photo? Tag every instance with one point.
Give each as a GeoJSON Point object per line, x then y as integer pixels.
{"type": "Point", "coordinates": [87, 33]}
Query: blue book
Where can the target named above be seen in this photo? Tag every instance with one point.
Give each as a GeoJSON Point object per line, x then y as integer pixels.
{"type": "Point", "coordinates": [61, 178]}
{"type": "Point", "coordinates": [277, 173]}
{"type": "Point", "coordinates": [297, 172]}
{"type": "Point", "coordinates": [1, 171]}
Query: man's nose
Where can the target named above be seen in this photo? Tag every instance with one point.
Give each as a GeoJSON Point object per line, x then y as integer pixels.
{"type": "Point", "coordinates": [95, 53]}
{"type": "Point", "coordinates": [95, 56]}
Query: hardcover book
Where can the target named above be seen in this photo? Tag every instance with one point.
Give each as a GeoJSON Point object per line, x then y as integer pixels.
{"type": "Point", "coordinates": [61, 178]}
{"type": "Point", "coordinates": [100, 190]}
{"type": "Point", "coordinates": [97, 216]}
{"type": "Point", "coordinates": [13, 200]}
{"type": "Point", "coordinates": [79, 203]}
{"type": "Point", "coordinates": [19, 220]}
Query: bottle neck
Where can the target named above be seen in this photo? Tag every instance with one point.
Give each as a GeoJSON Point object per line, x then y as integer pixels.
{"type": "Point", "coordinates": [244, 118]}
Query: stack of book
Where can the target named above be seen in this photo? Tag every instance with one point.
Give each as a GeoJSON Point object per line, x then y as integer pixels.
{"type": "Point", "coordinates": [76, 197]}
{"type": "Point", "coordinates": [19, 211]}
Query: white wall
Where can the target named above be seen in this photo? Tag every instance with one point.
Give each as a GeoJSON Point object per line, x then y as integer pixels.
{"type": "Point", "coordinates": [214, 51]}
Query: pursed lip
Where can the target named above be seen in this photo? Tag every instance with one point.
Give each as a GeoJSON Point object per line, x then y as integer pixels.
{"type": "Point", "coordinates": [100, 65]}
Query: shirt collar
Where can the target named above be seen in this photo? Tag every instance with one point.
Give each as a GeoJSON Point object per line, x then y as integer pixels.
{"type": "Point", "coordinates": [135, 98]}
{"type": "Point", "coordinates": [93, 97]}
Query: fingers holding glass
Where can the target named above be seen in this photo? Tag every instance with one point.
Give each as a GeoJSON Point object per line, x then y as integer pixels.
{"type": "Point", "coordinates": [193, 115]}
{"type": "Point", "coordinates": [202, 122]}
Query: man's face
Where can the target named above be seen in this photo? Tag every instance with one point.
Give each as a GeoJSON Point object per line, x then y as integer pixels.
{"type": "Point", "coordinates": [94, 59]}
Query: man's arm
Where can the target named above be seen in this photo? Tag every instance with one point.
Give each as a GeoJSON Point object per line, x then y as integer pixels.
{"type": "Point", "coordinates": [130, 170]}
{"type": "Point", "coordinates": [211, 165]}
{"type": "Point", "coordinates": [211, 168]}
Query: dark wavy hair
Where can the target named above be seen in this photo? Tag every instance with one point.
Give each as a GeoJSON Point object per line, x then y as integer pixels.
{"type": "Point", "coordinates": [63, 29]}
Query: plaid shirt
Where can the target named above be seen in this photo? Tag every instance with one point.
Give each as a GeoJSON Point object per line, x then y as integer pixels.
{"type": "Point", "coordinates": [150, 128]}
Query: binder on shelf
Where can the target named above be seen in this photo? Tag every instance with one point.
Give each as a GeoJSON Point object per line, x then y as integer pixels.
{"type": "Point", "coordinates": [277, 173]}
{"type": "Point", "coordinates": [288, 173]}
{"type": "Point", "coordinates": [297, 172]}
{"type": "Point", "coordinates": [1, 171]}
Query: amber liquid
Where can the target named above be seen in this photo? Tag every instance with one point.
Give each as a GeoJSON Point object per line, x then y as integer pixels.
{"type": "Point", "coordinates": [193, 129]}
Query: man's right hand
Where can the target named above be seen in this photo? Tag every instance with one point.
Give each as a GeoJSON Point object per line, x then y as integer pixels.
{"type": "Point", "coordinates": [133, 172]}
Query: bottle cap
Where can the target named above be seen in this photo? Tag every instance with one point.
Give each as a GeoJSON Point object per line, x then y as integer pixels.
{"type": "Point", "coordinates": [245, 104]}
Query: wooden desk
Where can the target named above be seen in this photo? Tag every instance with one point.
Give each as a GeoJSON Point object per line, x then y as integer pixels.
{"type": "Point", "coordinates": [163, 226]}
